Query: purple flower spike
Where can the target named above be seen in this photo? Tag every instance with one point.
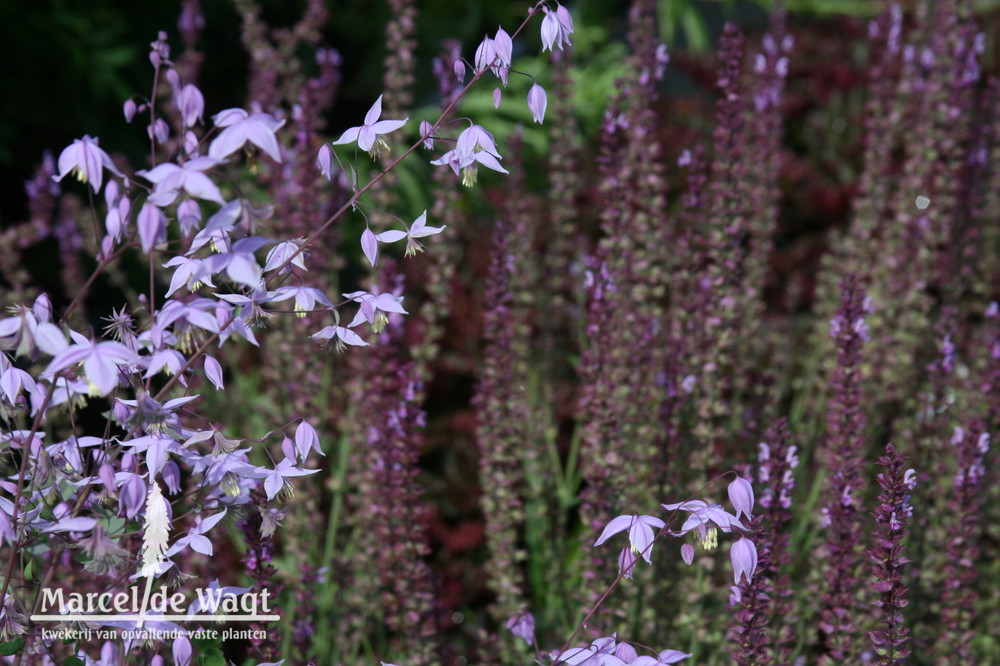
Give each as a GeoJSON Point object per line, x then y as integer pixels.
{"type": "Point", "coordinates": [744, 556]}
{"type": "Point", "coordinates": [87, 161]}
{"type": "Point", "coordinates": [368, 134]}
{"type": "Point", "coordinates": [741, 495]}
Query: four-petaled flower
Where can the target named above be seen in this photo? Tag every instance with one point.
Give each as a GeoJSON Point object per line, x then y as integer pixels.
{"type": "Point", "coordinates": [707, 519]}
{"type": "Point", "coordinates": [368, 134]}
{"type": "Point", "coordinates": [274, 482]}
{"type": "Point", "coordinates": [474, 146]}
{"type": "Point", "coordinates": [373, 308]}
{"type": "Point", "coordinates": [85, 159]}
{"type": "Point", "coordinates": [418, 229]}
{"type": "Point", "coordinates": [339, 337]}
{"type": "Point", "coordinates": [241, 127]}
{"type": "Point", "coordinates": [169, 179]}
{"type": "Point", "coordinates": [640, 532]}
{"type": "Point", "coordinates": [100, 363]}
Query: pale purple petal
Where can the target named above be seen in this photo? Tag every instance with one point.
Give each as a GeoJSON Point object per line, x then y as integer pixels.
{"type": "Point", "coordinates": [213, 371]}
{"type": "Point", "coordinates": [228, 142]}
{"type": "Point", "coordinates": [263, 137]}
{"type": "Point", "coordinates": [369, 245]}
{"type": "Point", "coordinates": [616, 525]}
{"type": "Point", "coordinates": [349, 136]}
{"type": "Point", "coordinates": [391, 236]}
{"type": "Point", "coordinates": [374, 113]}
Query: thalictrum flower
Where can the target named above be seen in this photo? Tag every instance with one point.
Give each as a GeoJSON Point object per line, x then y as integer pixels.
{"type": "Point", "coordinates": [640, 532]}
{"type": "Point", "coordinates": [427, 134]}
{"type": "Point", "coordinates": [368, 134]}
{"type": "Point", "coordinates": [275, 481]}
{"type": "Point", "coordinates": [707, 519]}
{"type": "Point", "coordinates": [100, 363]}
{"type": "Point", "coordinates": [373, 308]}
{"type": "Point", "coordinates": [152, 226]}
{"type": "Point", "coordinates": [522, 625]}
{"type": "Point", "coordinates": [324, 160]}
{"type": "Point", "coordinates": [626, 562]}
{"type": "Point", "coordinates": [418, 229]}
{"type": "Point", "coordinates": [169, 179]}
{"type": "Point", "coordinates": [339, 337]}
{"type": "Point", "coordinates": [741, 495]}
{"type": "Point", "coordinates": [743, 553]}
{"type": "Point", "coordinates": [306, 440]}
{"type": "Point", "coordinates": [474, 146]}
{"type": "Point", "coordinates": [196, 539]}
{"type": "Point", "coordinates": [557, 26]}
{"type": "Point", "coordinates": [241, 127]}
{"type": "Point", "coordinates": [191, 104]}
{"type": "Point", "coordinates": [87, 161]}
{"type": "Point", "coordinates": [305, 298]}
{"type": "Point", "coordinates": [537, 101]}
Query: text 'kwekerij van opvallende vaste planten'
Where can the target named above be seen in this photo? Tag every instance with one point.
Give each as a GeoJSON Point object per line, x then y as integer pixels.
{"type": "Point", "coordinates": [494, 358]}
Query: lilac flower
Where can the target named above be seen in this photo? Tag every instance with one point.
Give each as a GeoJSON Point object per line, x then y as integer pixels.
{"type": "Point", "coordinates": [339, 337]}
{"type": "Point", "coordinates": [100, 363]}
{"type": "Point", "coordinates": [368, 134]}
{"type": "Point", "coordinates": [191, 104]}
{"type": "Point", "coordinates": [169, 179]}
{"type": "Point", "coordinates": [152, 226]}
{"type": "Point", "coordinates": [373, 308]}
{"type": "Point", "coordinates": [557, 26]}
{"type": "Point", "coordinates": [522, 625]}
{"type": "Point", "coordinates": [741, 495]}
{"type": "Point", "coordinates": [306, 440]}
{"type": "Point", "coordinates": [369, 245]}
{"type": "Point", "coordinates": [427, 133]}
{"type": "Point", "coordinates": [281, 253]}
{"type": "Point", "coordinates": [474, 146]}
{"type": "Point", "coordinates": [196, 539]}
{"type": "Point", "coordinates": [275, 480]}
{"type": "Point", "coordinates": [687, 553]}
{"type": "Point", "coordinates": [305, 298]}
{"type": "Point", "coordinates": [418, 229]}
{"type": "Point", "coordinates": [537, 101]}
{"type": "Point", "coordinates": [241, 127]}
{"type": "Point", "coordinates": [743, 553]}
{"type": "Point", "coordinates": [706, 518]}
{"type": "Point", "coordinates": [640, 532]}
{"type": "Point", "coordinates": [324, 160]}
{"type": "Point", "coordinates": [190, 273]}
{"type": "Point", "coordinates": [85, 159]}
{"type": "Point", "coordinates": [626, 562]}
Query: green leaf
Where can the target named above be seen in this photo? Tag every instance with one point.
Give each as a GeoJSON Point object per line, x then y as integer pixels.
{"type": "Point", "coordinates": [74, 661]}
{"type": "Point", "coordinates": [212, 657]}
{"type": "Point", "coordinates": [11, 647]}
